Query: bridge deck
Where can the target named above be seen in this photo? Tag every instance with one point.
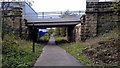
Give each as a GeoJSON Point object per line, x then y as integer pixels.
{"type": "Point", "coordinates": [54, 20]}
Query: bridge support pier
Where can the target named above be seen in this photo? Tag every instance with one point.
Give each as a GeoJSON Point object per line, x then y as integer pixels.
{"type": "Point", "coordinates": [70, 34]}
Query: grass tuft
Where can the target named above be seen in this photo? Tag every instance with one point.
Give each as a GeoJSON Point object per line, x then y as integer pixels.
{"type": "Point", "coordinates": [76, 49]}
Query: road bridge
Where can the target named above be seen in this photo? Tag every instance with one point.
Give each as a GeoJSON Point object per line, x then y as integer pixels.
{"type": "Point", "coordinates": [93, 22]}
{"type": "Point", "coordinates": [53, 22]}
{"type": "Point", "coordinates": [69, 23]}
{"type": "Point", "coordinates": [22, 13]}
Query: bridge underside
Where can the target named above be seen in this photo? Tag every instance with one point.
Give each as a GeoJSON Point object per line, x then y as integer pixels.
{"type": "Point", "coordinates": [41, 25]}
{"type": "Point", "coordinates": [48, 24]}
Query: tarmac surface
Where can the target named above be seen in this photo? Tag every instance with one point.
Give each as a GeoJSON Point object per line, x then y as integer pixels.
{"type": "Point", "coordinates": [54, 55]}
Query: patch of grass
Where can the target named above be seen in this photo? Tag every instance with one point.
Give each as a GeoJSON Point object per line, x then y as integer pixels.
{"type": "Point", "coordinates": [94, 50]}
{"type": "Point", "coordinates": [43, 40]}
{"type": "Point", "coordinates": [46, 37]}
{"type": "Point", "coordinates": [76, 49]}
{"type": "Point", "coordinates": [104, 37]}
{"type": "Point", "coordinates": [103, 50]}
{"type": "Point", "coordinates": [18, 53]}
{"type": "Point", "coordinates": [59, 38]}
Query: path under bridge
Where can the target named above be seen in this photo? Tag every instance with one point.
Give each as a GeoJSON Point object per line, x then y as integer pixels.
{"type": "Point", "coordinates": [69, 23]}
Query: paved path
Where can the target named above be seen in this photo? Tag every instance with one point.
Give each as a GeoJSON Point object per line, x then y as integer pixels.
{"type": "Point", "coordinates": [53, 55]}
{"type": "Point", "coordinates": [51, 40]}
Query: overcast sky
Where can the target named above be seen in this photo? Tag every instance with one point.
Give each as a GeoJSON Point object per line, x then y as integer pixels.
{"type": "Point", "coordinates": [59, 5]}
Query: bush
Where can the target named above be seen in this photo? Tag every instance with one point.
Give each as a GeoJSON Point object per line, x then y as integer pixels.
{"type": "Point", "coordinates": [18, 53]}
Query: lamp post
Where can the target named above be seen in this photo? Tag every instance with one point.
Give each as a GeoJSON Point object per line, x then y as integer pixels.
{"type": "Point", "coordinates": [33, 38]}
{"type": "Point", "coordinates": [79, 12]}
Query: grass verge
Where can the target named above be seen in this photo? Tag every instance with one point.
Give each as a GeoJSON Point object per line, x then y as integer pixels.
{"type": "Point", "coordinates": [104, 49]}
{"type": "Point", "coordinates": [98, 51]}
{"type": "Point", "coordinates": [18, 53]}
{"type": "Point", "coordinates": [60, 40]}
{"type": "Point", "coordinates": [76, 49]}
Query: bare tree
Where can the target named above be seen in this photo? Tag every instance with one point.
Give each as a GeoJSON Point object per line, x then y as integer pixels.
{"type": "Point", "coordinates": [68, 14]}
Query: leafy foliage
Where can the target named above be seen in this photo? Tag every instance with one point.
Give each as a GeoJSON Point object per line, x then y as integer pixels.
{"type": "Point", "coordinates": [60, 32]}
{"type": "Point", "coordinates": [116, 6]}
{"type": "Point", "coordinates": [63, 32]}
{"type": "Point", "coordinates": [57, 31]}
{"type": "Point", "coordinates": [43, 40]}
{"type": "Point", "coordinates": [50, 31]}
{"type": "Point", "coordinates": [60, 40]}
{"type": "Point", "coordinates": [18, 53]}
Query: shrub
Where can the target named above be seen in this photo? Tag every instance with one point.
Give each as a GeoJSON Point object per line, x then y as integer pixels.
{"type": "Point", "coordinates": [18, 53]}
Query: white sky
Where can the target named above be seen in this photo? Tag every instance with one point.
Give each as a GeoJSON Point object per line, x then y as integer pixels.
{"type": "Point", "coordinates": [58, 5]}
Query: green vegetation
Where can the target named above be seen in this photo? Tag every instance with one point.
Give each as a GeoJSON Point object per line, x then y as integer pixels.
{"type": "Point", "coordinates": [76, 49]}
{"type": "Point", "coordinates": [59, 38]}
{"type": "Point", "coordinates": [44, 38]}
{"type": "Point", "coordinates": [106, 36]}
{"type": "Point", "coordinates": [101, 50]}
{"type": "Point", "coordinates": [18, 53]}
{"type": "Point", "coordinates": [60, 32]}
{"type": "Point", "coordinates": [116, 7]}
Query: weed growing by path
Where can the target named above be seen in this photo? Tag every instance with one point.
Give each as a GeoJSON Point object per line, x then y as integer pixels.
{"type": "Point", "coordinates": [76, 49]}
{"type": "Point", "coordinates": [18, 53]}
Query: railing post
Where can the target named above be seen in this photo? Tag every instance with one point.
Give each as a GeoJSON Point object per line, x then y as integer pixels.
{"type": "Point", "coordinates": [79, 12]}
{"type": "Point", "coordinates": [42, 15]}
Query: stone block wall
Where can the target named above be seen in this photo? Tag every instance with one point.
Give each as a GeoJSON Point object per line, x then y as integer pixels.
{"type": "Point", "coordinates": [15, 23]}
{"type": "Point", "coordinates": [11, 23]}
{"type": "Point", "coordinates": [99, 19]}
{"type": "Point", "coordinates": [77, 32]}
{"type": "Point", "coordinates": [25, 30]}
{"type": "Point", "coordinates": [107, 18]}
{"type": "Point", "coordinates": [90, 25]}
{"type": "Point", "coordinates": [106, 22]}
